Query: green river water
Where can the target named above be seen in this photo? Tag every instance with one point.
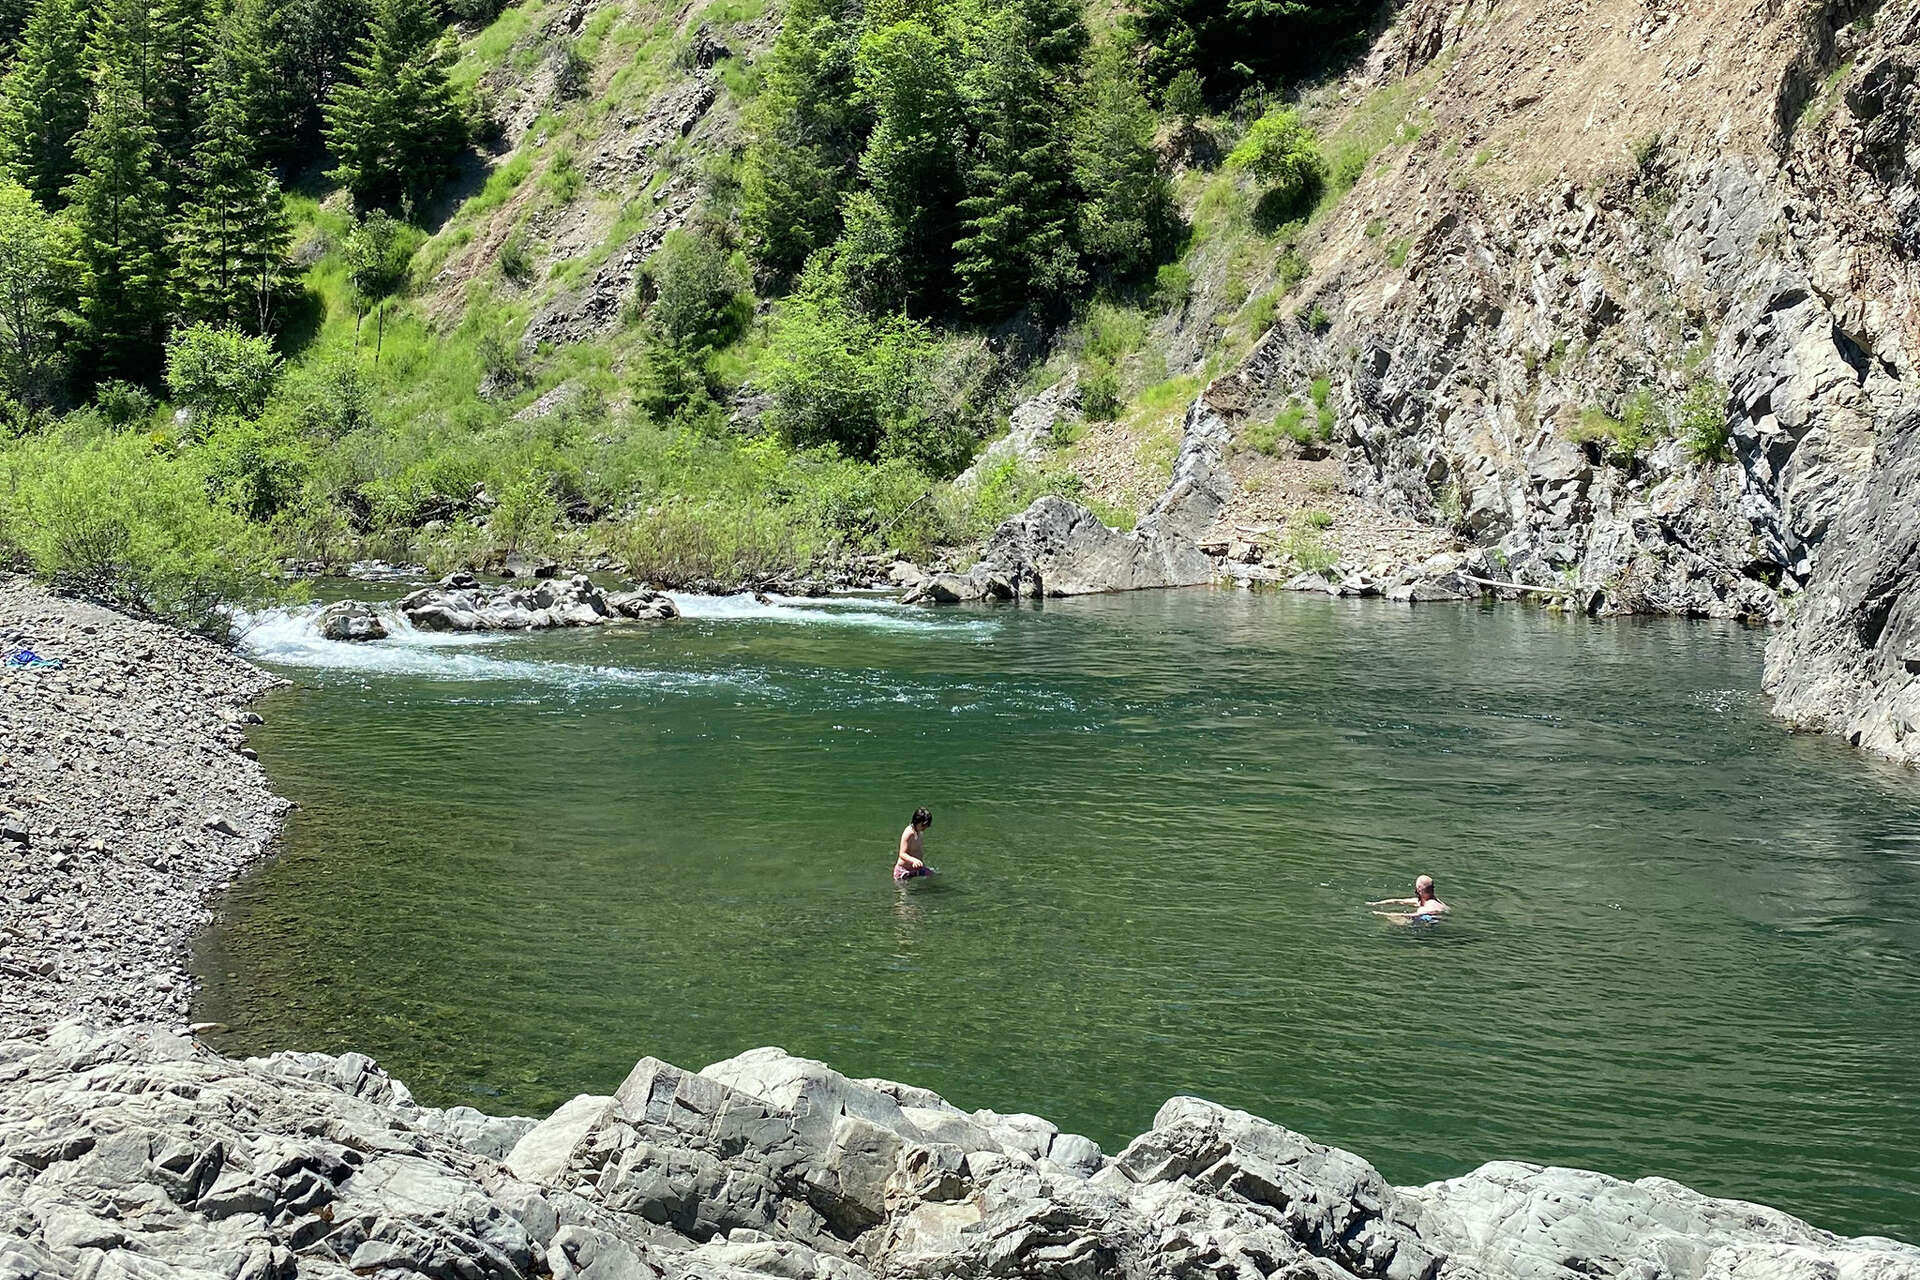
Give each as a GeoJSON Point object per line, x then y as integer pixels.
{"type": "Point", "coordinates": [1686, 942]}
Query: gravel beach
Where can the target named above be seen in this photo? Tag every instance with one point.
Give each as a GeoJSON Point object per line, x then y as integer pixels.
{"type": "Point", "coordinates": [128, 801]}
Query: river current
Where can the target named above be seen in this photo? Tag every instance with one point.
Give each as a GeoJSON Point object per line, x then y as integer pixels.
{"type": "Point", "coordinates": [1685, 941]}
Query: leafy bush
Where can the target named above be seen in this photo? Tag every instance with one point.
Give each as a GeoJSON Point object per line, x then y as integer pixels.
{"type": "Point", "coordinates": [516, 264]}
{"type": "Point", "coordinates": [123, 404]}
{"type": "Point", "coordinates": [1621, 440]}
{"type": "Point", "coordinates": [1281, 151]}
{"type": "Point", "coordinates": [524, 513]}
{"type": "Point", "coordinates": [1100, 396]}
{"type": "Point", "coordinates": [111, 518]}
{"type": "Point", "coordinates": [697, 291]}
{"type": "Point", "coordinates": [1290, 270]}
{"type": "Point", "coordinates": [1702, 425]}
{"type": "Point", "coordinates": [872, 387]}
{"type": "Point", "coordinates": [221, 370]}
{"type": "Point", "coordinates": [378, 251]}
{"type": "Point", "coordinates": [1172, 285]}
{"type": "Point", "coordinates": [257, 469]}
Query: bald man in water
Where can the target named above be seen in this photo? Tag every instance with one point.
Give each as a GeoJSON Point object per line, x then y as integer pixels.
{"type": "Point", "coordinates": [1426, 904]}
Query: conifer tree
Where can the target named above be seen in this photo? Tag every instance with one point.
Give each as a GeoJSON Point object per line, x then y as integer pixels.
{"type": "Point", "coordinates": [1125, 216]}
{"type": "Point", "coordinates": [903, 229]}
{"type": "Point", "coordinates": [46, 99]}
{"type": "Point", "coordinates": [395, 126]}
{"type": "Point", "coordinates": [306, 45]}
{"type": "Point", "coordinates": [121, 37]}
{"type": "Point", "coordinates": [1016, 246]}
{"type": "Point", "coordinates": [180, 47]}
{"type": "Point", "coordinates": [232, 235]}
{"type": "Point", "coordinates": [119, 209]}
{"type": "Point", "coordinates": [14, 16]}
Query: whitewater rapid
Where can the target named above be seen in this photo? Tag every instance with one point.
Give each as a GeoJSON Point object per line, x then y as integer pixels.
{"type": "Point", "coordinates": [290, 637]}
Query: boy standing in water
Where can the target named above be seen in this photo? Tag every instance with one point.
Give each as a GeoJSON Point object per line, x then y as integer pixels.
{"type": "Point", "coordinates": [908, 864]}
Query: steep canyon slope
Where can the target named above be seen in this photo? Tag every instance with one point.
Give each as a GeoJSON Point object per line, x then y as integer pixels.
{"type": "Point", "coordinates": [1619, 217]}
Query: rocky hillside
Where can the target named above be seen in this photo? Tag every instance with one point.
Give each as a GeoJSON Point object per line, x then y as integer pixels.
{"type": "Point", "coordinates": [138, 1153]}
{"type": "Point", "coordinates": [1612, 301]}
{"type": "Point", "coordinates": [1634, 320]}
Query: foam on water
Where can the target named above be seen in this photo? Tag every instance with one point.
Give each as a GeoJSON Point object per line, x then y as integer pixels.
{"type": "Point", "coordinates": [873, 612]}
{"type": "Point", "coordinates": [291, 638]}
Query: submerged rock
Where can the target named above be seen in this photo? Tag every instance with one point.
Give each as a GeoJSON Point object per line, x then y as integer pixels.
{"type": "Point", "coordinates": [461, 603]}
{"type": "Point", "coordinates": [139, 1153]}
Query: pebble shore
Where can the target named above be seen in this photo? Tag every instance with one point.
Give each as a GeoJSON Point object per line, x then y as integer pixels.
{"type": "Point", "coordinates": [128, 802]}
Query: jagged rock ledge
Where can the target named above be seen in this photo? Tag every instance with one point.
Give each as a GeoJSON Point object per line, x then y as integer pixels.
{"type": "Point", "coordinates": [139, 1153]}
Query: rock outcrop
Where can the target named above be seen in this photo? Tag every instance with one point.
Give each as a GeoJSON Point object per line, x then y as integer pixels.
{"type": "Point", "coordinates": [1060, 548]}
{"type": "Point", "coordinates": [461, 603]}
{"type": "Point", "coordinates": [1656, 356]}
{"type": "Point", "coordinates": [137, 1153]}
{"type": "Point", "coordinates": [1031, 429]}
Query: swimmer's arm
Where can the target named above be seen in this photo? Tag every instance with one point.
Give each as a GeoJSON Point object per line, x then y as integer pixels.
{"type": "Point", "coordinates": [913, 863]}
{"type": "Point", "coordinates": [1394, 902]}
{"type": "Point", "coordinates": [1398, 917]}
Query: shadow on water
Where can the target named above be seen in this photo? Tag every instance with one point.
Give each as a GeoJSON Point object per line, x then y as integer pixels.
{"type": "Point", "coordinates": [1684, 941]}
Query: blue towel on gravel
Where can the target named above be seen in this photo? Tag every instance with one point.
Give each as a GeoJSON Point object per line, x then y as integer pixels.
{"type": "Point", "coordinates": [27, 658]}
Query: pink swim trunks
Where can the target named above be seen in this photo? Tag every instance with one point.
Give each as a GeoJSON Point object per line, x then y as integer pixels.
{"type": "Point", "coordinates": [901, 872]}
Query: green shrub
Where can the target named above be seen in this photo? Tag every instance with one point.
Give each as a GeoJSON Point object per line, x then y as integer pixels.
{"type": "Point", "coordinates": [220, 370]}
{"type": "Point", "coordinates": [1290, 270]}
{"type": "Point", "coordinates": [1703, 427]}
{"type": "Point", "coordinates": [1310, 552]}
{"type": "Point", "coordinates": [563, 179]}
{"type": "Point", "coordinates": [1280, 150]}
{"type": "Point", "coordinates": [1185, 101]}
{"type": "Point", "coordinates": [1317, 518]}
{"type": "Point", "coordinates": [112, 518]}
{"type": "Point", "coordinates": [874, 387]}
{"type": "Point", "coordinates": [1622, 439]}
{"type": "Point", "coordinates": [123, 404]}
{"type": "Point", "coordinates": [524, 513]}
{"type": "Point", "coordinates": [1100, 394]}
{"type": "Point", "coordinates": [1172, 285]}
{"type": "Point", "coordinates": [516, 264]}
{"type": "Point", "coordinates": [1318, 321]}
{"type": "Point", "coordinates": [256, 468]}
{"type": "Point", "coordinates": [1009, 487]}
{"type": "Point", "coordinates": [697, 292]}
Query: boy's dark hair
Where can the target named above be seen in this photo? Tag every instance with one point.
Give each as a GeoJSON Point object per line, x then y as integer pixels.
{"type": "Point", "coordinates": [923, 817]}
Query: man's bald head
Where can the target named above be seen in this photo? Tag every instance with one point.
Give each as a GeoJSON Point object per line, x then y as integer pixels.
{"type": "Point", "coordinates": [1423, 887]}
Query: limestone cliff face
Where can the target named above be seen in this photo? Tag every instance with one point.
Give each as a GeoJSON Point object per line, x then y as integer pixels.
{"type": "Point", "coordinates": [1621, 212]}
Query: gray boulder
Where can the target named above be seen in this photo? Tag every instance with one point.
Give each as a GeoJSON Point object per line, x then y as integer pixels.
{"type": "Point", "coordinates": [351, 620]}
{"type": "Point", "coordinates": [461, 603]}
{"type": "Point", "coordinates": [135, 1153]}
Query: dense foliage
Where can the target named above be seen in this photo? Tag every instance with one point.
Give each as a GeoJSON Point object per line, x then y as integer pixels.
{"type": "Point", "coordinates": [979, 158]}
{"type": "Point", "coordinates": [1232, 46]}
{"type": "Point", "coordinates": [214, 215]}
{"type": "Point", "coordinates": [151, 138]}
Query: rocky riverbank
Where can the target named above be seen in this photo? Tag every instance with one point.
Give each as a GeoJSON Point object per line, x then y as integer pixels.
{"type": "Point", "coordinates": [128, 802]}
{"type": "Point", "coordinates": [137, 1153]}
{"type": "Point", "coordinates": [127, 1149]}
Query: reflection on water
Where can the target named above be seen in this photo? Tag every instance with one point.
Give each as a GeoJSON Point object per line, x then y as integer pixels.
{"type": "Point", "coordinates": [1685, 942]}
